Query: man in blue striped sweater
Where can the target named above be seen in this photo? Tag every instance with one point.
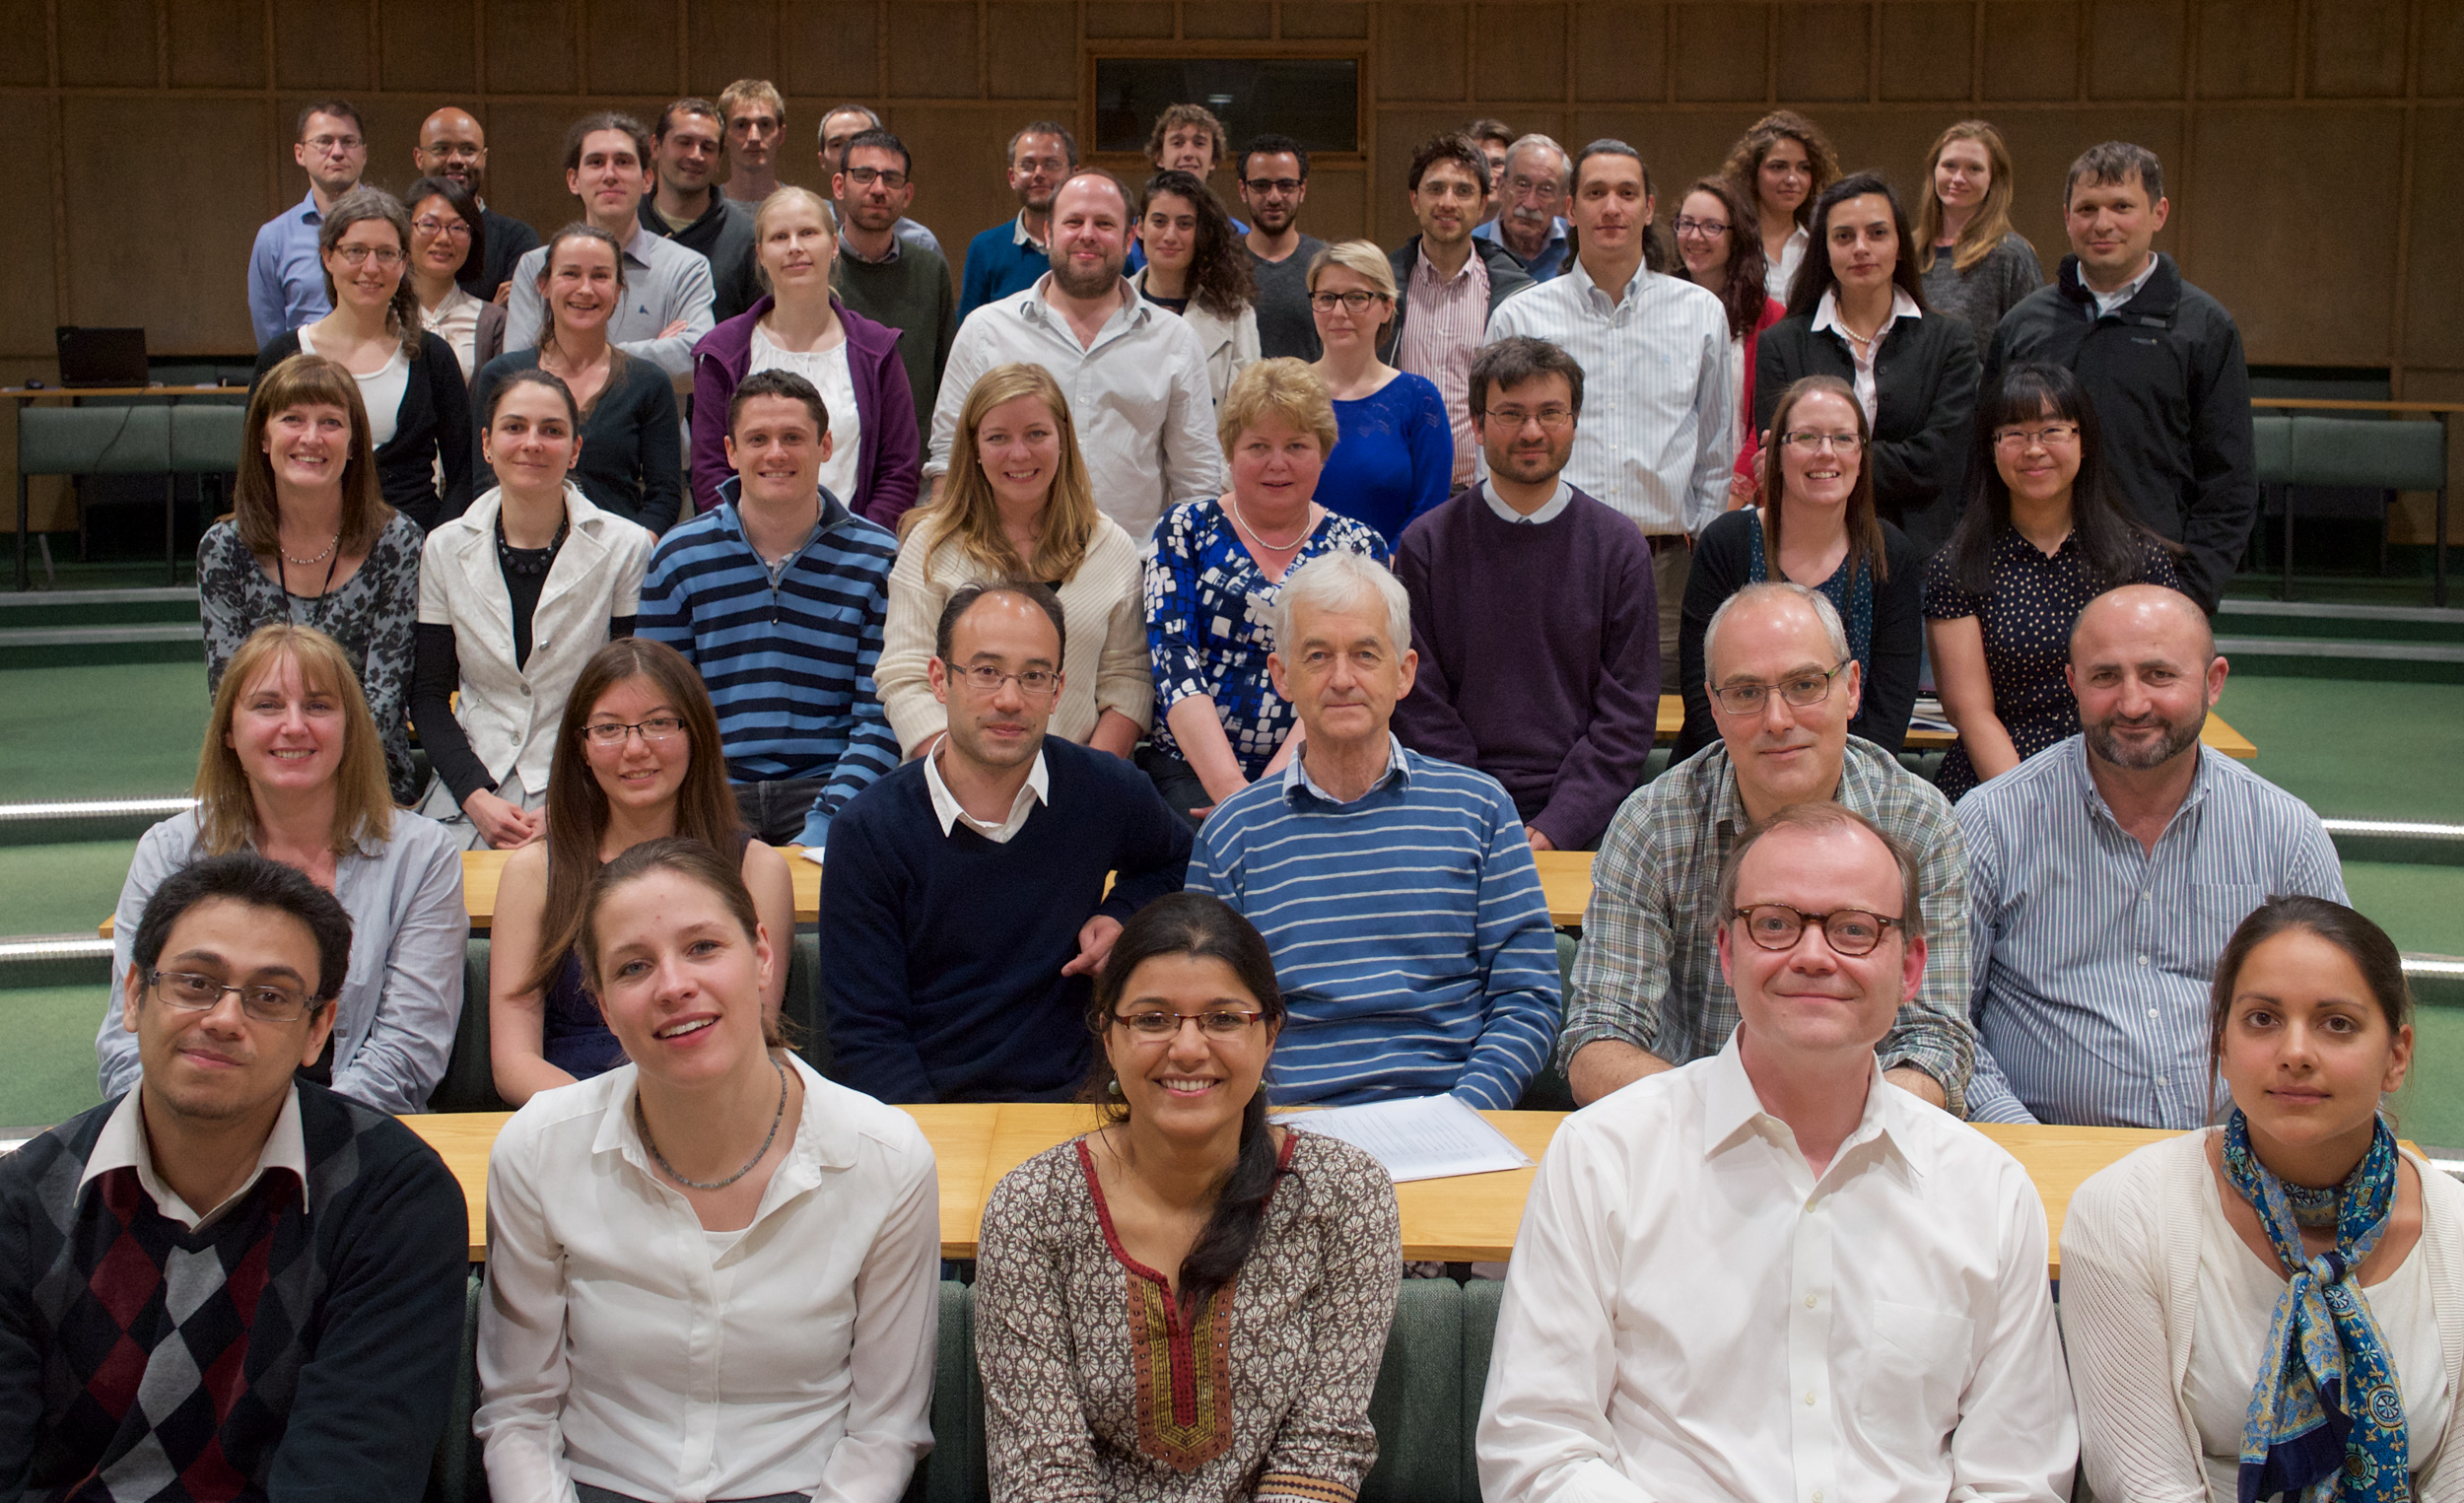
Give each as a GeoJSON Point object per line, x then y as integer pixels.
{"type": "Point", "coordinates": [777, 595]}
{"type": "Point", "coordinates": [1397, 891]}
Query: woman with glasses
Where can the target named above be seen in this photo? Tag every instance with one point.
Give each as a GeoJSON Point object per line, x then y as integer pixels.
{"type": "Point", "coordinates": [800, 324]}
{"type": "Point", "coordinates": [1394, 459]}
{"type": "Point", "coordinates": [515, 596]}
{"type": "Point", "coordinates": [2043, 533]}
{"type": "Point", "coordinates": [1197, 268]}
{"type": "Point", "coordinates": [1188, 1303]}
{"type": "Point", "coordinates": [1017, 506]}
{"type": "Point", "coordinates": [1813, 525]}
{"type": "Point", "coordinates": [1721, 250]}
{"type": "Point", "coordinates": [446, 236]}
{"type": "Point", "coordinates": [291, 769]}
{"type": "Point", "coordinates": [1780, 166]}
{"type": "Point", "coordinates": [636, 759]}
{"type": "Point", "coordinates": [1976, 266]}
{"type": "Point", "coordinates": [410, 381]}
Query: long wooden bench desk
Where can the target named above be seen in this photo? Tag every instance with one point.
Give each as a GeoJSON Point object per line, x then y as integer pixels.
{"type": "Point", "coordinates": [1469, 1219]}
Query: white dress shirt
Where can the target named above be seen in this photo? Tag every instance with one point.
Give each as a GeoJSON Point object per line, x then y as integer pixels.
{"type": "Point", "coordinates": [623, 1346]}
{"type": "Point", "coordinates": [1139, 396]}
{"type": "Point", "coordinates": [122, 1145]}
{"type": "Point", "coordinates": [1659, 425]}
{"type": "Point", "coordinates": [1827, 316]}
{"type": "Point", "coordinates": [1038, 789]}
{"type": "Point", "coordinates": [2105, 302]}
{"type": "Point", "coordinates": [455, 320]}
{"type": "Point", "coordinates": [1777, 276]}
{"type": "Point", "coordinates": [1693, 1313]}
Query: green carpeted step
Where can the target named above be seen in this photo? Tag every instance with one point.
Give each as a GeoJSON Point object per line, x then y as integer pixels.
{"type": "Point", "coordinates": [50, 1075]}
{"type": "Point", "coordinates": [2420, 906]}
{"type": "Point", "coordinates": [2430, 1107]}
{"type": "Point", "coordinates": [2355, 750]}
{"type": "Point", "coordinates": [63, 888]}
{"type": "Point", "coordinates": [126, 731]}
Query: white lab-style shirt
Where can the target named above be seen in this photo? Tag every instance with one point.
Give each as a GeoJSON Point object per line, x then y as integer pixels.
{"type": "Point", "coordinates": [623, 1346]}
{"type": "Point", "coordinates": [1692, 1314]}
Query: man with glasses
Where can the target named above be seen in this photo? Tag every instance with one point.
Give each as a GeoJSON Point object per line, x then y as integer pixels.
{"type": "Point", "coordinates": [2107, 872]}
{"type": "Point", "coordinates": [882, 272]}
{"type": "Point", "coordinates": [286, 278]}
{"type": "Point", "coordinates": [1560, 705]}
{"type": "Point", "coordinates": [1007, 258]}
{"type": "Point", "coordinates": [1766, 1274]}
{"type": "Point", "coordinates": [966, 903]}
{"type": "Point", "coordinates": [229, 1274]}
{"type": "Point", "coordinates": [1397, 892]}
{"type": "Point", "coordinates": [452, 146]}
{"type": "Point", "coordinates": [1531, 189]}
{"type": "Point", "coordinates": [839, 129]}
{"type": "Point", "coordinates": [1274, 183]}
{"type": "Point", "coordinates": [1647, 991]}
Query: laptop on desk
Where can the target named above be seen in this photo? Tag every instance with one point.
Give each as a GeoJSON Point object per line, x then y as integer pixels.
{"type": "Point", "coordinates": [98, 357]}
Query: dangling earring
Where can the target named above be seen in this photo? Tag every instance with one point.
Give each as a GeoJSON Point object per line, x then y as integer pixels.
{"type": "Point", "coordinates": [1112, 1087]}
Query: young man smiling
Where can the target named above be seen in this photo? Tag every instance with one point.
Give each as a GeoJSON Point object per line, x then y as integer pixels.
{"type": "Point", "coordinates": [1448, 286]}
{"type": "Point", "coordinates": [688, 147]}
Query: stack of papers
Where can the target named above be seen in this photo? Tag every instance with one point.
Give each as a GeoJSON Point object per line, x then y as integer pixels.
{"type": "Point", "coordinates": [1427, 1137]}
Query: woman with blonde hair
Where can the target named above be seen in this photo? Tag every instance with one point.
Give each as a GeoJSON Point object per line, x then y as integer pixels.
{"type": "Point", "coordinates": [1017, 506]}
{"type": "Point", "coordinates": [800, 325]}
{"type": "Point", "coordinates": [1781, 164]}
{"type": "Point", "coordinates": [292, 770]}
{"type": "Point", "coordinates": [1394, 457]}
{"type": "Point", "coordinates": [1974, 265]}
{"type": "Point", "coordinates": [310, 543]}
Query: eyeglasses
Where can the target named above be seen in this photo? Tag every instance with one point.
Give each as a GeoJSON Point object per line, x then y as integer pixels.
{"type": "Point", "coordinates": [658, 728]}
{"type": "Point", "coordinates": [867, 176]}
{"type": "Point", "coordinates": [1546, 188]}
{"type": "Point", "coordinates": [1836, 442]}
{"type": "Point", "coordinates": [1032, 165]}
{"type": "Point", "coordinates": [1355, 303]}
{"type": "Point", "coordinates": [1264, 185]}
{"type": "Point", "coordinates": [1160, 1023]}
{"type": "Point", "coordinates": [357, 255]}
{"type": "Point", "coordinates": [1848, 930]}
{"type": "Point", "coordinates": [265, 1001]}
{"type": "Point", "coordinates": [328, 146]}
{"type": "Point", "coordinates": [1035, 683]}
{"type": "Point", "coordinates": [1798, 688]}
{"type": "Point", "coordinates": [1551, 417]}
{"type": "Point", "coordinates": [1698, 229]}
{"type": "Point", "coordinates": [455, 151]}
{"type": "Point", "coordinates": [452, 230]}
{"type": "Point", "coordinates": [2051, 436]}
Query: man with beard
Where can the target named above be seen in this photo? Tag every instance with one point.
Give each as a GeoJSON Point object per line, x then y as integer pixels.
{"type": "Point", "coordinates": [881, 273]}
{"type": "Point", "coordinates": [451, 145]}
{"type": "Point", "coordinates": [1007, 258]}
{"type": "Point", "coordinates": [1135, 374]}
{"type": "Point", "coordinates": [1530, 191]}
{"type": "Point", "coordinates": [1274, 183]}
{"type": "Point", "coordinates": [2107, 871]}
{"type": "Point", "coordinates": [1447, 284]}
{"type": "Point", "coordinates": [686, 147]}
{"type": "Point", "coordinates": [839, 131]}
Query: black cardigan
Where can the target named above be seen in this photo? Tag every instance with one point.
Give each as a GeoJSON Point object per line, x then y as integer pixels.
{"type": "Point", "coordinates": [1924, 396]}
{"type": "Point", "coordinates": [632, 458]}
{"type": "Point", "coordinates": [1723, 562]}
{"type": "Point", "coordinates": [432, 424]}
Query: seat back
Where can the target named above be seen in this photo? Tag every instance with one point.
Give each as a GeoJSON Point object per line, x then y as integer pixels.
{"type": "Point", "coordinates": [206, 437]}
{"type": "Point", "coordinates": [954, 1472]}
{"type": "Point", "coordinates": [1480, 1299]}
{"type": "Point", "coordinates": [469, 1081]}
{"type": "Point", "coordinates": [801, 1005]}
{"type": "Point", "coordinates": [457, 1474]}
{"type": "Point", "coordinates": [2378, 455]}
{"type": "Point", "coordinates": [1417, 1405]}
{"type": "Point", "coordinates": [2271, 444]}
{"type": "Point", "coordinates": [94, 440]}
{"type": "Point", "coordinates": [1548, 1091]}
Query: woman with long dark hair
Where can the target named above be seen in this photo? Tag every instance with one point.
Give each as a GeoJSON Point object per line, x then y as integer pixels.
{"type": "Point", "coordinates": [1720, 248]}
{"type": "Point", "coordinates": [1196, 267]}
{"type": "Point", "coordinates": [2043, 533]}
{"type": "Point", "coordinates": [1186, 1247]}
{"type": "Point", "coordinates": [1781, 164]}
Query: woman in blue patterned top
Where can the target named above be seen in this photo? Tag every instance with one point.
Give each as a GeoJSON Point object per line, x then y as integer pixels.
{"type": "Point", "coordinates": [1211, 585]}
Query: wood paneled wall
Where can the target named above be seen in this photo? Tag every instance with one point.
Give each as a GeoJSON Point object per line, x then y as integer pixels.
{"type": "Point", "coordinates": [2306, 143]}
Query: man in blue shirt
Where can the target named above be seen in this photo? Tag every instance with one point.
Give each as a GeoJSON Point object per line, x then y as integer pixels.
{"type": "Point", "coordinates": [286, 280]}
{"type": "Point", "coordinates": [777, 595]}
{"type": "Point", "coordinates": [1009, 256]}
{"type": "Point", "coordinates": [1397, 891]}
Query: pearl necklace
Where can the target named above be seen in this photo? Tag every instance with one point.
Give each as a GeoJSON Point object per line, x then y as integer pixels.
{"type": "Point", "coordinates": [320, 559]}
{"type": "Point", "coordinates": [1258, 538]}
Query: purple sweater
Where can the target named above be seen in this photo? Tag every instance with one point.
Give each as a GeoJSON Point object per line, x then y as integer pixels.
{"type": "Point", "coordinates": [1539, 656]}
{"type": "Point", "coordinates": [888, 455]}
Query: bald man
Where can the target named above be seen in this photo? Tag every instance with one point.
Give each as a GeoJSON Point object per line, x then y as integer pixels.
{"type": "Point", "coordinates": [451, 145]}
{"type": "Point", "coordinates": [2107, 872]}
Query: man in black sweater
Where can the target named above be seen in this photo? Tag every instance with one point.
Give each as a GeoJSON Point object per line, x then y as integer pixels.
{"type": "Point", "coordinates": [228, 1284]}
{"type": "Point", "coordinates": [2161, 359]}
{"type": "Point", "coordinates": [965, 897]}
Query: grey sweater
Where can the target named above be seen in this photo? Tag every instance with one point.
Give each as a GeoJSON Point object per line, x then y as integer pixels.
{"type": "Point", "coordinates": [1986, 291]}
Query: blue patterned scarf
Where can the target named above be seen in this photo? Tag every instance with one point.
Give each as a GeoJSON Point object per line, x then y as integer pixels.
{"type": "Point", "coordinates": [1855, 604]}
{"type": "Point", "coordinates": [2305, 1436]}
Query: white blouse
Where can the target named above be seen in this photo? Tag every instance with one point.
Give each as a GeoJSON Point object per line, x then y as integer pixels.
{"type": "Point", "coordinates": [380, 391]}
{"type": "Point", "coordinates": [1775, 279]}
{"type": "Point", "coordinates": [827, 370]}
{"type": "Point", "coordinates": [623, 1346]}
{"type": "Point", "coordinates": [455, 320]}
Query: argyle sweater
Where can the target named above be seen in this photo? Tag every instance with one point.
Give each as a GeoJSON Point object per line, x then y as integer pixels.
{"type": "Point", "coordinates": [276, 1353]}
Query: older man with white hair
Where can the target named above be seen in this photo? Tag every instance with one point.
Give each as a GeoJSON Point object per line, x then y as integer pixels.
{"type": "Point", "coordinates": [1397, 891]}
{"type": "Point", "coordinates": [1531, 196]}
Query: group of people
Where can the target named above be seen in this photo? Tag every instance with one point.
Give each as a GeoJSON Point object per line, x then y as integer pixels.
{"type": "Point", "coordinates": [1162, 634]}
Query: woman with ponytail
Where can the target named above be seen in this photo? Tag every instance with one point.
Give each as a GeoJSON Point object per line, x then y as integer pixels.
{"type": "Point", "coordinates": [1185, 1247]}
{"type": "Point", "coordinates": [2276, 1306]}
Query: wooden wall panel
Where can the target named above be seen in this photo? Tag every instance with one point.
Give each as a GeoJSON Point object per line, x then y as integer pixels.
{"type": "Point", "coordinates": [1147, 20]}
{"type": "Point", "coordinates": [1339, 203]}
{"type": "Point", "coordinates": [2433, 292]}
{"type": "Point", "coordinates": [321, 47]}
{"type": "Point", "coordinates": [832, 49]}
{"type": "Point", "coordinates": [1679, 146]}
{"type": "Point", "coordinates": [2246, 49]}
{"type": "Point", "coordinates": [1927, 50]}
{"type": "Point", "coordinates": [1423, 52]}
{"type": "Point", "coordinates": [532, 47]}
{"type": "Point", "coordinates": [27, 317]}
{"type": "Point", "coordinates": [1621, 52]}
{"type": "Point", "coordinates": [2135, 52]}
{"type": "Point", "coordinates": [217, 44]}
{"type": "Point", "coordinates": [1721, 52]}
{"type": "Point", "coordinates": [1519, 51]}
{"type": "Point", "coordinates": [1228, 21]}
{"type": "Point", "coordinates": [1824, 52]}
{"type": "Point", "coordinates": [732, 39]}
{"type": "Point", "coordinates": [107, 44]}
{"type": "Point", "coordinates": [1326, 20]}
{"type": "Point", "coordinates": [1030, 50]}
{"type": "Point", "coordinates": [932, 49]}
{"type": "Point", "coordinates": [960, 187]}
{"type": "Point", "coordinates": [632, 46]}
{"type": "Point", "coordinates": [2294, 170]}
{"type": "Point", "coordinates": [188, 289]}
{"type": "Point", "coordinates": [2031, 51]}
{"type": "Point", "coordinates": [2438, 61]}
{"type": "Point", "coordinates": [393, 123]}
{"type": "Point", "coordinates": [2356, 49]}
{"type": "Point", "coordinates": [25, 45]}
{"type": "Point", "coordinates": [430, 49]}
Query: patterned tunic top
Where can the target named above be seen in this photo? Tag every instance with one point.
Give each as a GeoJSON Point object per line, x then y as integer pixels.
{"type": "Point", "coordinates": [1096, 1387]}
{"type": "Point", "coordinates": [1211, 624]}
{"type": "Point", "coordinates": [371, 615]}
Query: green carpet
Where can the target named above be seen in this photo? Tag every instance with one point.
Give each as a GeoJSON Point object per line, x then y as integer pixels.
{"type": "Point", "coordinates": [2430, 1107]}
{"type": "Point", "coordinates": [61, 889]}
{"type": "Point", "coordinates": [50, 1075]}
{"type": "Point", "coordinates": [2355, 750]}
{"type": "Point", "coordinates": [129, 731]}
{"type": "Point", "coordinates": [2420, 906]}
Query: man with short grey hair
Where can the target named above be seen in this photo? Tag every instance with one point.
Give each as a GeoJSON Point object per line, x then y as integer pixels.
{"type": "Point", "coordinates": [1531, 194]}
{"type": "Point", "coordinates": [1397, 892]}
{"type": "Point", "coordinates": [1646, 992]}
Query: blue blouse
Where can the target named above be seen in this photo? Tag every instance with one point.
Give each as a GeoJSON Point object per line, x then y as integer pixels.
{"type": "Point", "coordinates": [1395, 457]}
{"type": "Point", "coordinates": [1210, 623]}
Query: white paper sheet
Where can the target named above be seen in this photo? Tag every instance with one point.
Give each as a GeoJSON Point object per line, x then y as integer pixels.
{"type": "Point", "coordinates": [1426, 1138]}
{"type": "Point", "coordinates": [813, 853]}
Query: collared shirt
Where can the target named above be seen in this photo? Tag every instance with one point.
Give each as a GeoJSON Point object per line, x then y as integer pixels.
{"type": "Point", "coordinates": [1694, 1313]}
{"type": "Point", "coordinates": [1138, 394]}
{"type": "Point", "coordinates": [286, 277]}
{"type": "Point", "coordinates": [2105, 302]}
{"type": "Point", "coordinates": [2094, 954]}
{"type": "Point", "coordinates": [1019, 236]}
{"type": "Point", "coordinates": [1777, 276]}
{"type": "Point", "coordinates": [1037, 790]}
{"type": "Point", "coordinates": [124, 1145]}
{"type": "Point", "coordinates": [906, 231]}
{"type": "Point", "coordinates": [1549, 512]}
{"type": "Point", "coordinates": [621, 1346]}
{"type": "Point", "coordinates": [1441, 335]}
{"type": "Point", "coordinates": [1659, 425]}
{"type": "Point", "coordinates": [1827, 316]}
{"type": "Point", "coordinates": [1555, 254]}
{"type": "Point", "coordinates": [455, 320]}
{"type": "Point", "coordinates": [663, 282]}
{"type": "Point", "coordinates": [1649, 971]}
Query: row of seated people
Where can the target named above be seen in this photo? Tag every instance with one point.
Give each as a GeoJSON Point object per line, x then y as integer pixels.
{"type": "Point", "coordinates": [712, 1271]}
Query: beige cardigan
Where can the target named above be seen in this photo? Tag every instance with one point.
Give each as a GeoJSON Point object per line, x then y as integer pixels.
{"type": "Point", "coordinates": [1231, 344]}
{"type": "Point", "coordinates": [1104, 660]}
{"type": "Point", "coordinates": [2130, 1276]}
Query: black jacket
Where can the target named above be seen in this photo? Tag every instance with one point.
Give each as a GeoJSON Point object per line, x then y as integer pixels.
{"type": "Point", "coordinates": [502, 241]}
{"type": "Point", "coordinates": [1924, 397]}
{"type": "Point", "coordinates": [432, 424]}
{"type": "Point", "coordinates": [725, 235]}
{"type": "Point", "coordinates": [2172, 397]}
{"type": "Point", "coordinates": [1506, 277]}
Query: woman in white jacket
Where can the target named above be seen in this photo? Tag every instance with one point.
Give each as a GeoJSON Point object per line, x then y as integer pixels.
{"type": "Point", "coordinates": [1195, 267]}
{"type": "Point", "coordinates": [2233, 1297]}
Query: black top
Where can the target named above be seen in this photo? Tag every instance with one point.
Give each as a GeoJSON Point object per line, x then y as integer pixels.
{"type": "Point", "coordinates": [432, 424]}
{"type": "Point", "coordinates": [1924, 395]}
{"type": "Point", "coordinates": [1506, 277]}
{"type": "Point", "coordinates": [1724, 565]}
{"type": "Point", "coordinates": [632, 459]}
{"type": "Point", "coordinates": [504, 241]}
{"type": "Point", "coordinates": [724, 234]}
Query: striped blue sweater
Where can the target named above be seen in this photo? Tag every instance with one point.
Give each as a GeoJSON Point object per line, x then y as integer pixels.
{"type": "Point", "coordinates": [790, 668]}
{"type": "Point", "coordinates": [1410, 933]}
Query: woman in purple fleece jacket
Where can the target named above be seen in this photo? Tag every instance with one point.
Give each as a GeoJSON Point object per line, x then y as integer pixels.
{"type": "Point", "coordinates": [873, 456]}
